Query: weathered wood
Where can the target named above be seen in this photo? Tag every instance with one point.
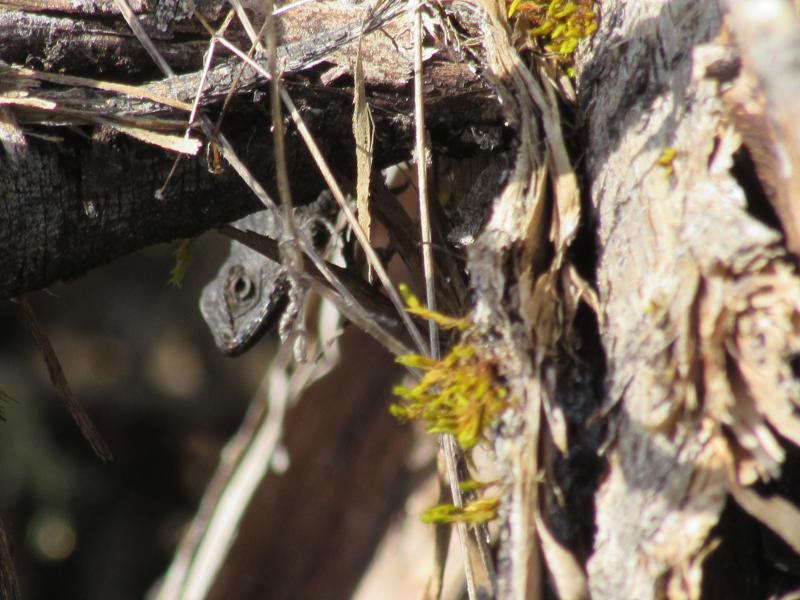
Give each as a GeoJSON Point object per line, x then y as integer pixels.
{"type": "Point", "coordinates": [697, 295]}
{"type": "Point", "coordinates": [72, 202]}
{"type": "Point", "coordinates": [764, 101]}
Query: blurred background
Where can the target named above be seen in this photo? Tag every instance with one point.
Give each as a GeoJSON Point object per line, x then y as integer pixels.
{"type": "Point", "coordinates": [141, 361]}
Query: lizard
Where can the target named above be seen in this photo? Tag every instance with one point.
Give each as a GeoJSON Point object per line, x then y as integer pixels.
{"type": "Point", "coordinates": [249, 293]}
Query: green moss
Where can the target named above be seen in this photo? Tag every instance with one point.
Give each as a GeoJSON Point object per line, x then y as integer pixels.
{"type": "Point", "coordinates": [458, 394]}
{"type": "Point", "coordinates": [477, 511]}
{"type": "Point", "coordinates": [183, 255]}
{"type": "Point", "coordinates": [558, 24]}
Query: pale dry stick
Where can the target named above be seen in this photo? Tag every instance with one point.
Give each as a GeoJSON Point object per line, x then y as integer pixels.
{"type": "Point", "coordinates": [281, 171]}
{"type": "Point", "coordinates": [364, 136]}
{"type": "Point", "coordinates": [245, 21]}
{"type": "Point", "coordinates": [209, 57]}
{"type": "Point", "coordinates": [239, 491]}
{"type": "Point", "coordinates": [180, 570]}
{"type": "Point", "coordinates": [422, 181]}
{"type": "Point", "coordinates": [290, 254]}
{"type": "Point", "coordinates": [217, 35]}
{"type": "Point", "coordinates": [132, 91]}
{"type": "Point", "coordinates": [447, 441]}
{"type": "Point", "coordinates": [288, 7]}
{"type": "Point", "coordinates": [359, 318]}
{"type": "Point", "coordinates": [195, 105]}
{"type": "Point", "coordinates": [244, 464]}
{"type": "Point", "coordinates": [372, 256]}
{"type": "Point", "coordinates": [247, 24]}
{"type": "Point", "coordinates": [174, 143]}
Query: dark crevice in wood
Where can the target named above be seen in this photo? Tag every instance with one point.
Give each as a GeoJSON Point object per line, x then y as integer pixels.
{"type": "Point", "coordinates": [581, 379]}
{"type": "Point", "coordinates": [579, 472]}
{"type": "Point", "coordinates": [751, 562]}
{"type": "Point", "coordinates": [758, 202]}
{"type": "Point", "coordinates": [583, 251]}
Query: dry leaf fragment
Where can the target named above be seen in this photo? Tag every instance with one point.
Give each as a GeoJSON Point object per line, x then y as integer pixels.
{"type": "Point", "coordinates": [364, 134]}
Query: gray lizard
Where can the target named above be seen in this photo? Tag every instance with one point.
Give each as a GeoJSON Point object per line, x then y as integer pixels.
{"type": "Point", "coordinates": [249, 293]}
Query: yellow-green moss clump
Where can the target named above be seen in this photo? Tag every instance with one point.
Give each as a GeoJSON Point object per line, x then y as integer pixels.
{"type": "Point", "coordinates": [477, 511]}
{"type": "Point", "coordinates": [559, 24]}
{"type": "Point", "coordinates": [459, 394]}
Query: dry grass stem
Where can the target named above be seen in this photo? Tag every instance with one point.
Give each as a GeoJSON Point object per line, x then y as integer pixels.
{"type": "Point", "coordinates": [244, 463]}
{"type": "Point", "coordinates": [59, 381]}
{"type": "Point", "coordinates": [372, 257]}
{"type": "Point", "coordinates": [448, 443]}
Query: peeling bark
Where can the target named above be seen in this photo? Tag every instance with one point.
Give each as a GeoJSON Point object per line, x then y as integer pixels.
{"type": "Point", "coordinates": [699, 302]}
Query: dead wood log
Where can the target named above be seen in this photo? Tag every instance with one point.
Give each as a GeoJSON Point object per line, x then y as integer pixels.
{"type": "Point", "coordinates": [77, 193]}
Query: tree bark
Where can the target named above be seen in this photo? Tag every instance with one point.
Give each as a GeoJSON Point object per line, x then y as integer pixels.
{"type": "Point", "coordinates": [699, 304]}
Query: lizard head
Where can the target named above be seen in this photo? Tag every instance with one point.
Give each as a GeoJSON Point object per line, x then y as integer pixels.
{"type": "Point", "coordinates": [247, 296]}
{"type": "Point", "coordinates": [249, 293]}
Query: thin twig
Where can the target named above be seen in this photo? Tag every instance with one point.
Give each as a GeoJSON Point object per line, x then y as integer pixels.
{"type": "Point", "coordinates": [372, 256]}
{"type": "Point", "coordinates": [59, 381]}
{"type": "Point", "coordinates": [182, 571]}
{"type": "Point", "coordinates": [244, 464]}
{"type": "Point", "coordinates": [422, 184]}
{"type": "Point", "coordinates": [367, 315]}
{"type": "Point", "coordinates": [305, 243]}
{"type": "Point", "coordinates": [448, 444]}
{"type": "Point", "coordinates": [291, 257]}
{"type": "Point", "coordinates": [193, 114]}
{"type": "Point", "coordinates": [133, 91]}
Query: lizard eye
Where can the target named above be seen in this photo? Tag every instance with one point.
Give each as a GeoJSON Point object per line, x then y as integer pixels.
{"type": "Point", "coordinates": [241, 288]}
